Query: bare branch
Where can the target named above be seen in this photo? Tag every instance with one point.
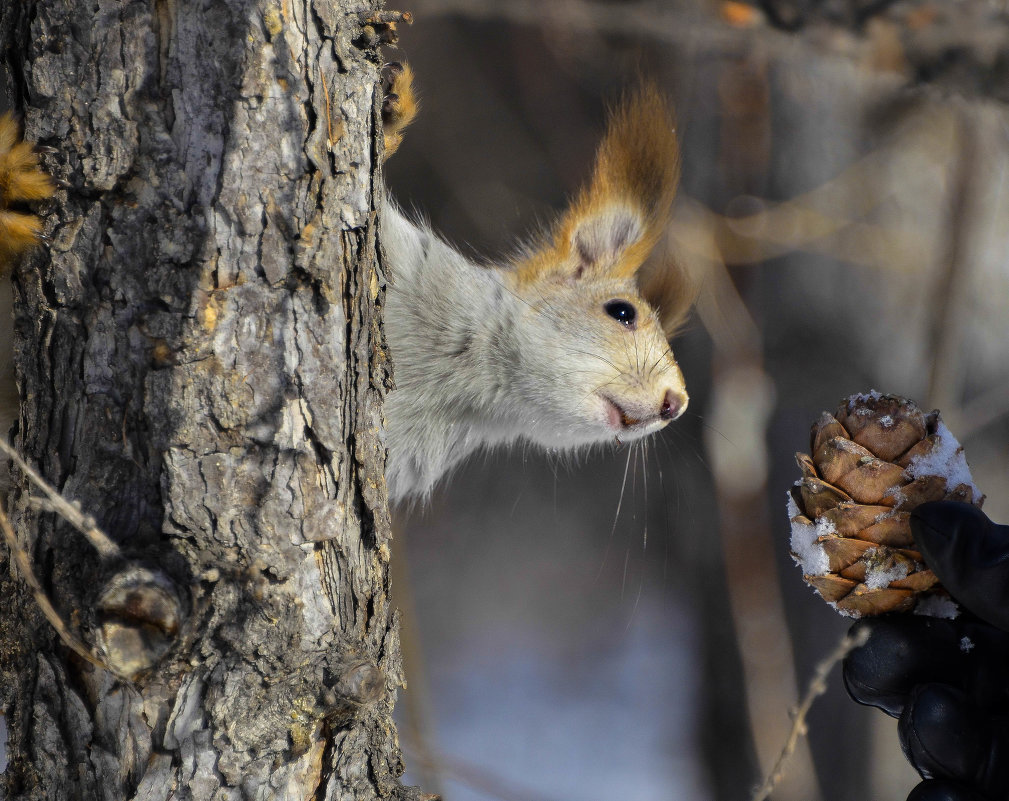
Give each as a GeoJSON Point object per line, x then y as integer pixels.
{"type": "Point", "coordinates": [68, 510]}
{"type": "Point", "coordinates": [20, 556]}
{"type": "Point", "coordinates": [817, 686]}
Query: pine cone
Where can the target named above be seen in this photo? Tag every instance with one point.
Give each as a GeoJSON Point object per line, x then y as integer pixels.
{"type": "Point", "coordinates": [872, 462]}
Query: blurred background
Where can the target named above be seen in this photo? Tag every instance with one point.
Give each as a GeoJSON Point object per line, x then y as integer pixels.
{"type": "Point", "coordinates": [628, 624]}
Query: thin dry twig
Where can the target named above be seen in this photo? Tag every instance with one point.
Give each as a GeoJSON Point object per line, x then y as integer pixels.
{"type": "Point", "coordinates": [25, 567]}
{"type": "Point", "coordinates": [329, 113]}
{"type": "Point", "coordinates": [71, 512]}
{"type": "Point", "coordinates": [817, 687]}
{"type": "Point", "coordinates": [68, 510]}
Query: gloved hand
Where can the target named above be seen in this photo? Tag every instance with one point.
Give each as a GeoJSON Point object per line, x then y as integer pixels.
{"type": "Point", "coordinates": [948, 680]}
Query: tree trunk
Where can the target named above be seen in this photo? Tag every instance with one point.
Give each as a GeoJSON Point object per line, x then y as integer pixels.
{"type": "Point", "coordinates": [202, 367]}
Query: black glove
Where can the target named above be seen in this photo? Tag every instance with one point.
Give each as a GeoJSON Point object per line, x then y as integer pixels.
{"type": "Point", "coordinates": [948, 680]}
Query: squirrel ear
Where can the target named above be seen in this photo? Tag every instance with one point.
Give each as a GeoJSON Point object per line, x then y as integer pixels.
{"type": "Point", "coordinates": [600, 240]}
{"type": "Point", "coordinates": [616, 220]}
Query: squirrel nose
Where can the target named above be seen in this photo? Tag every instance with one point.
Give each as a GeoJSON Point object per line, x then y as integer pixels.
{"type": "Point", "coordinates": [673, 404]}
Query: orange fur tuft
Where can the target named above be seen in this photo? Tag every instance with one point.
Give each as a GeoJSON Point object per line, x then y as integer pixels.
{"type": "Point", "coordinates": [22, 180]}
{"type": "Point", "coordinates": [621, 215]}
{"type": "Point", "coordinates": [18, 233]}
{"type": "Point", "coordinates": [399, 107]}
{"type": "Point", "coordinates": [8, 132]}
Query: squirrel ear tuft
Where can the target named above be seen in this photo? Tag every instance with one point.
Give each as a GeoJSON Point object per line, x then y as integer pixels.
{"type": "Point", "coordinates": [615, 221]}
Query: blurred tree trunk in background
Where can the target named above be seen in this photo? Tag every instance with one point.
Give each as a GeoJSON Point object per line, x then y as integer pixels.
{"type": "Point", "coordinates": [202, 367]}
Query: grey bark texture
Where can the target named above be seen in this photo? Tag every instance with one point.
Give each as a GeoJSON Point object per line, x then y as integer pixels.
{"type": "Point", "coordinates": [202, 368]}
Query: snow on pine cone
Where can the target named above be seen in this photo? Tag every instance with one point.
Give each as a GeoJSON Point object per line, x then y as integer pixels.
{"type": "Point", "coordinates": [873, 461]}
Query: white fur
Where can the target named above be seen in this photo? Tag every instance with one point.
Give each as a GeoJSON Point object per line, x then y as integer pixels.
{"type": "Point", "coordinates": [480, 360]}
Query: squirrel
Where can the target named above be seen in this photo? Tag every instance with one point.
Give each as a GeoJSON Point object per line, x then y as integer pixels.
{"type": "Point", "coordinates": [564, 345]}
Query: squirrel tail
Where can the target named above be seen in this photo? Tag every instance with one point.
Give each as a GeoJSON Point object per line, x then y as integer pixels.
{"type": "Point", "coordinates": [22, 180]}
{"type": "Point", "coordinates": [399, 104]}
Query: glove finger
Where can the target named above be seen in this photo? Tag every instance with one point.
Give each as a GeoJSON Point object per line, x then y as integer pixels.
{"type": "Point", "coordinates": [969, 553]}
{"type": "Point", "coordinates": [902, 652]}
{"type": "Point", "coordinates": [944, 736]}
{"type": "Point", "coordinates": [944, 790]}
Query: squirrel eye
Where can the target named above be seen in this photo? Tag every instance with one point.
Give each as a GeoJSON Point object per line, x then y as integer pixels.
{"type": "Point", "coordinates": [621, 311]}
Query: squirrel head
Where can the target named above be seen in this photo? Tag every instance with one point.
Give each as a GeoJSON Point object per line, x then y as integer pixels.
{"type": "Point", "coordinates": [592, 358]}
{"type": "Point", "coordinates": [597, 364]}
{"type": "Point", "coordinates": [565, 345]}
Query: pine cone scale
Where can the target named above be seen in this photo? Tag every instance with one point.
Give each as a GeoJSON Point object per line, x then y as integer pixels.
{"type": "Point", "coordinates": [843, 552]}
{"type": "Point", "coordinates": [819, 497]}
{"type": "Point", "coordinates": [871, 481]}
{"type": "Point", "coordinates": [851, 518]}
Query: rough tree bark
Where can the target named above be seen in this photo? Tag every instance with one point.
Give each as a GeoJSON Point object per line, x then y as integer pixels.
{"type": "Point", "coordinates": [202, 367]}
